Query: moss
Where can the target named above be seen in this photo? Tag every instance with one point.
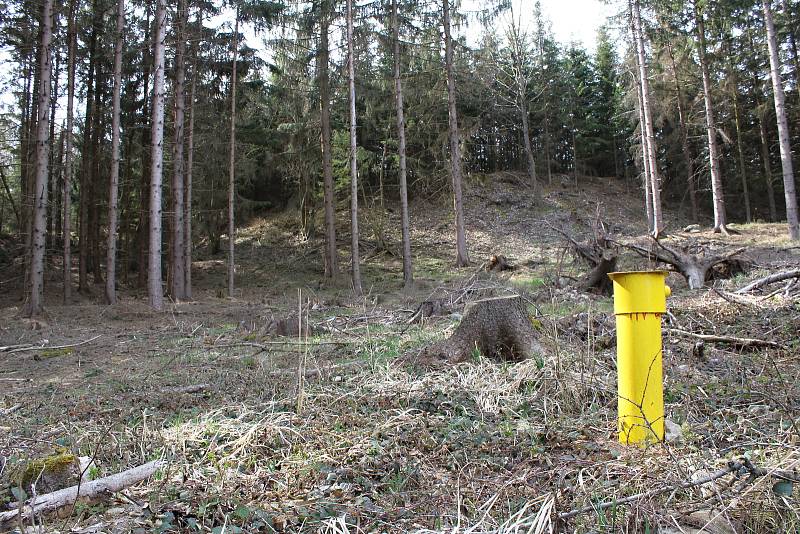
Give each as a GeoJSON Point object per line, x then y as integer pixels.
{"type": "Point", "coordinates": [55, 353]}
{"type": "Point", "coordinates": [57, 463]}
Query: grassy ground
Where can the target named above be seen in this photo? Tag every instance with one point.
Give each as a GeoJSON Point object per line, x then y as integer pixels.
{"type": "Point", "coordinates": [341, 433]}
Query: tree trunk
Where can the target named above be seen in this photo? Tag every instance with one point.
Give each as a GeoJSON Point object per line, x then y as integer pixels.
{"type": "Point", "coordinates": [720, 217]}
{"type": "Point", "coordinates": [331, 254]}
{"type": "Point", "coordinates": [67, 193]}
{"type": "Point", "coordinates": [177, 249]}
{"type": "Point", "coordinates": [33, 305]}
{"type": "Point", "coordinates": [655, 180]}
{"type": "Point", "coordinates": [187, 212]}
{"type": "Point", "coordinates": [86, 161]}
{"type": "Point", "coordinates": [783, 126]}
{"type": "Point", "coordinates": [143, 233]}
{"type": "Point", "coordinates": [765, 158]}
{"type": "Point", "coordinates": [687, 155]}
{"type": "Point", "coordinates": [408, 276]}
{"type": "Point", "coordinates": [462, 258]}
{"type": "Point", "coordinates": [154, 288]}
{"type": "Point", "coordinates": [232, 162]}
{"type": "Point", "coordinates": [113, 189]}
{"type": "Point", "coordinates": [351, 71]}
{"type": "Point", "coordinates": [648, 197]}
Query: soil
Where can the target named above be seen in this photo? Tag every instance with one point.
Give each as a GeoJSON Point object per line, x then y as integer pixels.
{"type": "Point", "coordinates": [338, 432]}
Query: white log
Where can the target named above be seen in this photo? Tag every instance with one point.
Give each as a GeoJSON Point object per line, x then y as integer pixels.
{"type": "Point", "coordinates": [65, 497]}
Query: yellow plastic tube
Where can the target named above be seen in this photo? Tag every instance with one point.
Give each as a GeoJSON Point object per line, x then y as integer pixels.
{"type": "Point", "coordinates": [639, 302]}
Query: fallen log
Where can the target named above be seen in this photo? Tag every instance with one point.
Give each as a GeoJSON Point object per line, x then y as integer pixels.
{"type": "Point", "coordinates": [767, 280]}
{"type": "Point", "coordinates": [101, 487]}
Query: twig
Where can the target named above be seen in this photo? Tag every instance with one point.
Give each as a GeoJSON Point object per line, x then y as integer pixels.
{"type": "Point", "coordinates": [737, 341]}
{"type": "Point", "coordinates": [55, 347]}
{"type": "Point", "coordinates": [9, 411]}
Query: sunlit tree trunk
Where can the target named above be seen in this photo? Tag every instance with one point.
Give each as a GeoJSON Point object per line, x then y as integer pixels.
{"type": "Point", "coordinates": [650, 140]}
{"type": "Point", "coordinates": [351, 71]}
{"type": "Point", "coordinates": [462, 258]}
{"type": "Point", "coordinates": [720, 217]}
{"type": "Point", "coordinates": [783, 126]}
{"type": "Point", "coordinates": [68, 159]}
{"type": "Point", "coordinates": [232, 162]}
{"type": "Point", "coordinates": [111, 252]}
{"type": "Point", "coordinates": [408, 276]}
{"type": "Point", "coordinates": [34, 304]}
{"type": "Point", "coordinates": [154, 287]}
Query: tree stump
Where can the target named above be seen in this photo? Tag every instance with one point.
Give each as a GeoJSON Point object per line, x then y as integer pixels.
{"type": "Point", "coordinates": [498, 328]}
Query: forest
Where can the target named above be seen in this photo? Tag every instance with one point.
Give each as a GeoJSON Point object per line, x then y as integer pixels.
{"type": "Point", "coordinates": [343, 266]}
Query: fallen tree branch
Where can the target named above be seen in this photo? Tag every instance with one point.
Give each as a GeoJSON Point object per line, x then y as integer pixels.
{"type": "Point", "coordinates": [771, 279]}
{"type": "Point", "coordinates": [56, 347]}
{"type": "Point", "coordinates": [739, 468]}
{"type": "Point", "coordinates": [9, 411]}
{"type": "Point", "coordinates": [737, 341]}
{"type": "Point", "coordinates": [56, 500]}
{"type": "Point", "coordinates": [193, 388]}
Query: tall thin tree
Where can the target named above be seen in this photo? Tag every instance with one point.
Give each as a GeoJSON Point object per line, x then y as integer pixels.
{"type": "Point", "coordinates": [331, 253]}
{"type": "Point", "coordinates": [34, 305]}
{"type": "Point", "coordinates": [187, 213]}
{"type": "Point", "coordinates": [111, 249]}
{"type": "Point", "coordinates": [783, 126]}
{"type": "Point", "coordinates": [462, 257]}
{"type": "Point", "coordinates": [177, 248]}
{"type": "Point", "coordinates": [68, 156]}
{"type": "Point", "coordinates": [154, 287]}
{"type": "Point", "coordinates": [351, 72]}
{"type": "Point", "coordinates": [408, 276]}
{"type": "Point", "coordinates": [718, 197]}
{"type": "Point", "coordinates": [232, 161]}
{"type": "Point", "coordinates": [650, 139]}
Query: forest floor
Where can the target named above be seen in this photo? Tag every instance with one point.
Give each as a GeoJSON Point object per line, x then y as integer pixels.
{"type": "Point", "coordinates": [342, 432]}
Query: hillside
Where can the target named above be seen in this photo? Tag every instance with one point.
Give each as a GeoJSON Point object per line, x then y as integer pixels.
{"type": "Point", "coordinates": [343, 432]}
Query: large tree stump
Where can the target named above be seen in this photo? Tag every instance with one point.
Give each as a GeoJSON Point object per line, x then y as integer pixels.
{"type": "Point", "coordinates": [692, 261]}
{"type": "Point", "coordinates": [498, 328]}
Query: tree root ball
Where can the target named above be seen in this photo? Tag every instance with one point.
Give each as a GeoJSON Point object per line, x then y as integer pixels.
{"type": "Point", "coordinates": [498, 328]}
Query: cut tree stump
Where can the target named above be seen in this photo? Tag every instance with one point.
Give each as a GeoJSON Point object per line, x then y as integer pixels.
{"type": "Point", "coordinates": [498, 328]}
{"type": "Point", "coordinates": [691, 261]}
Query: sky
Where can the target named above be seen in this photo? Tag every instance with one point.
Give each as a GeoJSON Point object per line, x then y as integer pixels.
{"type": "Point", "coordinates": [571, 20]}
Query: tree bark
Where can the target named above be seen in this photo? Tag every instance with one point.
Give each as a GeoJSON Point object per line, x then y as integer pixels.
{"type": "Point", "coordinates": [187, 213]}
{"type": "Point", "coordinates": [143, 232]}
{"type": "Point", "coordinates": [177, 249]}
{"type": "Point", "coordinates": [68, 156]}
{"type": "Point", "coordinates": [767, 162]}
{"type": "Point", "coordinates": [113, 192]}
{"type": "Point", "coordinates": [232, 161]}
{"type": "Point", "coordinates": [655, 180]}
{"type": "Point", "coordinates": [462, 257]}
{"type": "Point", "coordinates": [86, 159]}
{"type": "Point", "coordinates": [408, 276]}
{"type": "Point", "coordinates": [34, 305]}
{"type": "Point", "coordinates": [331, 254]}
{"type": "Point", "coordinates": [783, 126]}
{"type": "Point", "coordinates": [351, 71]}
{"type": "Point", "coordinates": [720, 217]}
{"type": "Point", "coordinates": [154, 288]}
{"type": "Point", "coordinates": [648, 198]}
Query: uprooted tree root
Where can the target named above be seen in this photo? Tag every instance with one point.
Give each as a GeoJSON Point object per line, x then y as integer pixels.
{"type": "Point", "coordinates": [498, 328]}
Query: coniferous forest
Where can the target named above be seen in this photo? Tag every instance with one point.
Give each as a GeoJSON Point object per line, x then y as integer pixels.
{"type": "Point", "coordinates": [343, 266]}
